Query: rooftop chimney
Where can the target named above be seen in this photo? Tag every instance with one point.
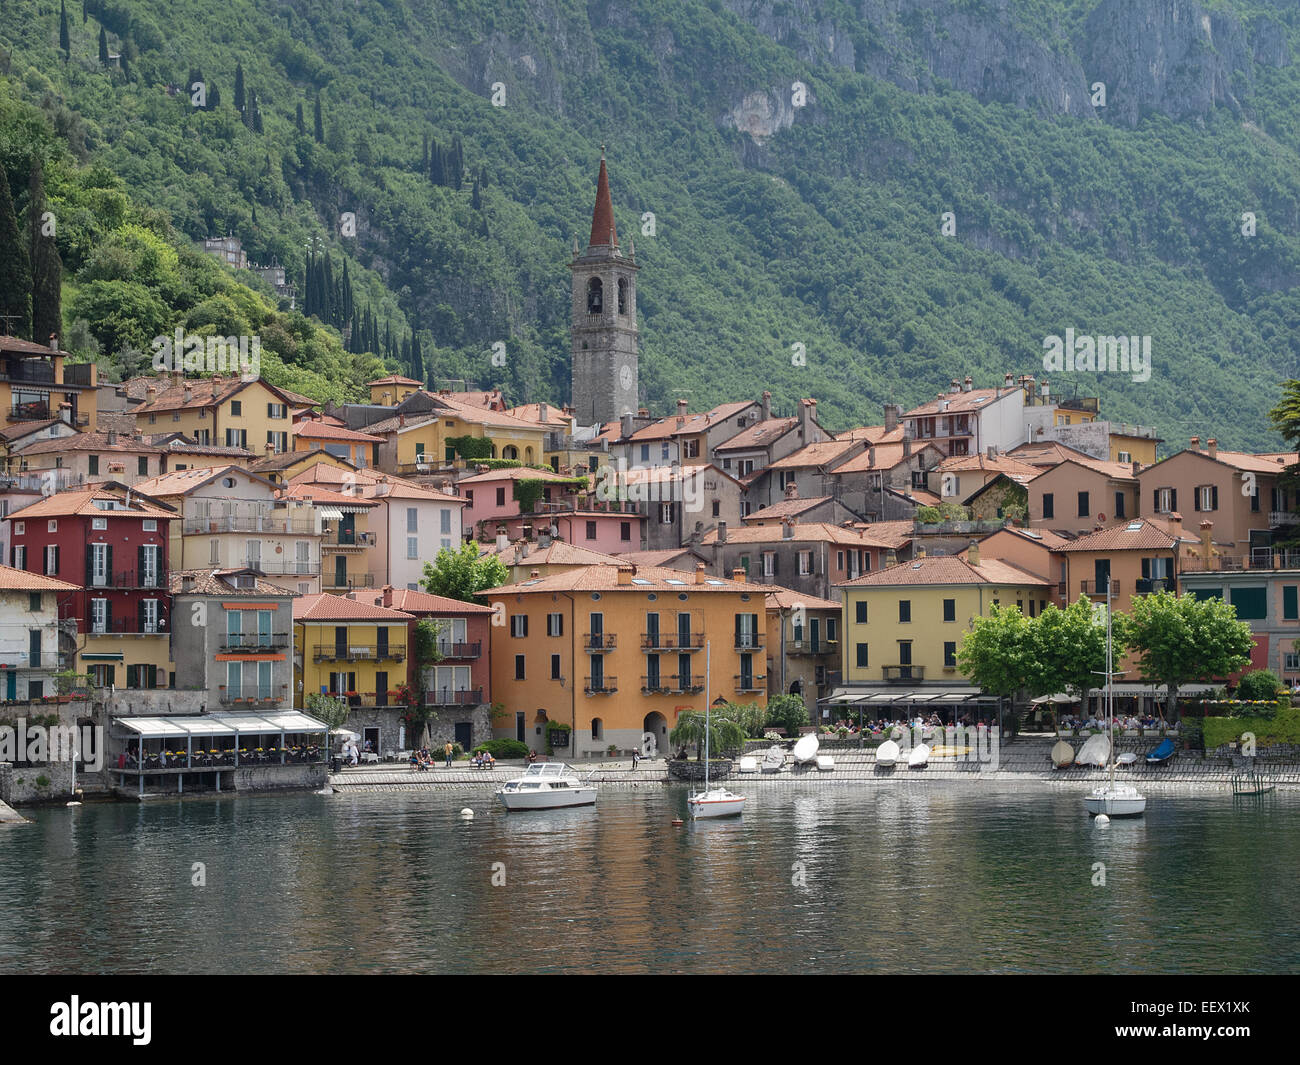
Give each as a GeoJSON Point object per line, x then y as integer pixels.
{"type": "Point", "coordinates": [1007, 381]}
{"type": "Point", "coordinates": [542, 416]}
{"type": "Point", "coordinates": [524, 547]}
{"type": "Point", "coordinates": [738, 575]}
{"type": "Point", "coordinates": [187, 582]}
{"type": "Point", "coordinates": [1212, 446]}
{"type": "Point", "coordinates": [65, 413]}
{"type": "Point", "coordinates": [699, 573]}
{"type": "Point", "coordinates": [871, 455]}
{"type": "Point", "coordinates": [955, 386]}
{"type": "Point", "coordinates": [892, 412]}
{"type": "Point", "coordinates": [722, 532]}
{"type": "Point", "coordinates": [973, 553]}
{"type": "Point", "coordinates": [625, 574]}
{"type": "Point", "coordinates": [681, 406]}
{"type": "Point", "coordinates": [112, 438]}
{"type": "Point", "coordinates": [787, 528]}
{"type": "Point", "coordinates": [643, 412]}
{"type": "Point", "coordinates": [907, 443]}
{"type": "Point", "coordinates": [807, 412]}
{"type": "Point", "coordinates": [1042, 388]}
{"type": "Point", "coordinates": [388, 595]}
{"type": "Point", "coordinates": [993, 451]}
{"type": "Point", "coordinates": [625, 425]}
{"type": "Point", "coordinates": [767, 405]}
{"type": "Point", "coordinates": [534, 573]}
{"type": "Point", "coordinates": [54, 342]}
{"type": "Point", "coordinates": [503, 541]}
{"type": "Point", "coordinates": [792, 491]}
{"type": "Point", "coordinates": [1175, 522]}
{"type": "Point", "coordinates": [1196, 442]}
{"type": "Point", "coordinates": [967, 384]}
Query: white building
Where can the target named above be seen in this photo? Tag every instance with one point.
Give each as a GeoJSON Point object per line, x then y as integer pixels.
{"type": "Point", "coordinates": [29, 633]}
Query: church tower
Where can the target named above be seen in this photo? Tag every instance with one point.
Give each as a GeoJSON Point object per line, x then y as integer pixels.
{"type": "Point", "coordinates": [603, 315]}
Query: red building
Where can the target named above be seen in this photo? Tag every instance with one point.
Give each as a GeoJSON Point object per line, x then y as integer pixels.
{"type": "Point", "coordinates": [113, 546]}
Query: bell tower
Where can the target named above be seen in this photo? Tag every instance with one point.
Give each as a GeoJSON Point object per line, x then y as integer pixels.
{"type": "Point", "coordinates": [603, 316]}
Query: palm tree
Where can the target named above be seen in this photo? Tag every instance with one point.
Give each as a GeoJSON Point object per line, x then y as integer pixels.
{"type": "Point", "coordinates": [724, 734]}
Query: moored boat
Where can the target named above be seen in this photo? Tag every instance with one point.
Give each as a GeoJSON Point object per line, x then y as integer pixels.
{"type": "Point", "coordinates": [887, 754]}
{"type": "Point", "coordinates": [1095, 751]}
{"type": "Point", "coordinates": [716, 802]}
{"type": "Point", "coordinates": [1161, 752]}
{"type": "Point", "coordinates": [806, 749]}
{"type": "Point", "coordinates": [1115, 800]}
{"type": "Point", "coordinates": [546, 786]}
{"type": "Point", "coordinates": [918, 756]}
{"type": "Point", "coordinates": [1062, 755]}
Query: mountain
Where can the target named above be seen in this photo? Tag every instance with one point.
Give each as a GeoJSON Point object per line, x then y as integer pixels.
{"type": "Point", "coordinates": [907, 191]}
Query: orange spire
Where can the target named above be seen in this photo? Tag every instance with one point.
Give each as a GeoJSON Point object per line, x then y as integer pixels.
{"type": "Point", "coordinates": [602, 218]}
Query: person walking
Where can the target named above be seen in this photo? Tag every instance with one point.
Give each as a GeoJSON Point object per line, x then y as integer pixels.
{"type": "Point", "coordinates": [636, 757]}
{"type": "Point", "coordinates": [448, 750]}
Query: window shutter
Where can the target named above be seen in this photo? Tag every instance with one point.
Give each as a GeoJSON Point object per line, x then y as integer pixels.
{"type": "Point", "coordinates": [1146, 569]}
{"type": "Point", "coordinates": [139, 615]}
{"type": "Point", "coordinates": [108, 563]}
{"type": "Point", "coordinates": [776, 563]}
{"type": "Point", "coordinates": [90, 562]}
{"type": "Point", "coordinates": [131, 676]}
{"type": "Point", "coordinates": [1214, 497]}
{"type": "Point", "coordinates": [1173, 499]}
{"type": "Point", "coordinates": [108, 615]}
{"type": "Point", "coordinates": [56, 559]}
{"type": "Point", "coordinates": [139, 567]}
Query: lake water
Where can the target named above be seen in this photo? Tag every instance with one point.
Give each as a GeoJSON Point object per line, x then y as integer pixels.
{"type": "Point", "coordinates": [930, 878]}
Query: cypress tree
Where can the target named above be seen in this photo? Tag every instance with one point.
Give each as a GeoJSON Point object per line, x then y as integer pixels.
{"type": "Point", "coordinates": [298, 119]}
{"type": "Point", "coordinates": [388, 338]}
{"type": "Point", "coordinates": [457, 174]}
{"type": "Point", "coordinates": [475, 200]}
{"type": "Point", "coordinates": [417, 359]}
{"type": "Point", "coordinates": [435, 163]}
{"type": "Point", "coordinates": [347, 305]}
{"type": "Point", "coordinates": [15, 268]}
{"type": "Point", "coordinates": [47, 267]}
{"type": "Point", "coordinates": [320, 124]}
{"type": "Point", "coordinates": [424, 164]}
{"type": "Point", "coordinates": [65, 40]}
{"type": "Point", "coordinates": [84, 16]}
{"type": "Point", "coordinates": [239, 86]}
{"type": "Point", "coordinates": [257, 113]}
{"type": "Point", "coordinates": [103, 47]}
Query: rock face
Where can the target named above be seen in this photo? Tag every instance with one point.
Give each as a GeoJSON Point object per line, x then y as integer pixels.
{"type": "Point", "coordinates": [761, 114]}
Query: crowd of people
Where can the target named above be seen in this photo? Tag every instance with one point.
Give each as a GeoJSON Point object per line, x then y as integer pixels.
{"type": "Point", "coordinates": [1126, 722]}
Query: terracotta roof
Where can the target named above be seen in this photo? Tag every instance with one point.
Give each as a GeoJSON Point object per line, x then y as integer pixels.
{"type": "Point", "coordinates": [804, 532]}
{"type": "Point", "coordinates": [887, 457]}
{"type": "Point", "coordinates": [394, 379]}
{"type": "Point", "coordinates": [961, 402]}
{"type": "Point", "coordinates": [659, 558]}
{"type": "Point", "coordinates": [297, 399]}
{"type": "Point", "coordinates": [82, 502]}
{"type": "Point", "coordinates": [120, 421]}
{"type": "Point", "coordinates": [202, 393]}
{"type": "Point", "coordinates": [411, 601]}
{"type": "Point", "coordinates": [26, 347]}
{"type": "Point", "coordinates": [20, 580]}
{"type": "Point", "coordinates": [532, 412]}
{"type": "Point", "coordinates": [818, 454]}
{"type": "Point", "coordinates": [21, 429]}
{"type": "Point", "coordinates": [1045, 452]}
{"type": "Point", "coordinates": [662, 474]}
{"type": "Point", "coordinates": [285, 459]}
{"type": "Point", "coordinates": [322, 430]}
{"type": "Point", "coordinates": [180, 482]}
{"type": "Point", "coordinates": [514, 473]}
{"type": "Point", "coordinates": [370, 484]}
{"type": "Point", "coordinates": [891, 533]}
{"type": "Point", "coordinates": [998, 464]}
{"type": "Point", "coordinates": [920, 496]}
{"type": "Point", "coordinates": [1274, 462]}
{"type": "Point", "coordinates": [559, 553]}
{"type": "Point", "coordinates": [399, 421]}
{"type": "Point", "coordinates": [481, 414]}
{"type": "Point", "coordinates": [325, 497]}
{"type": "Point", "coordinates": [1136, 535]}
{"type": "Point", "coordinates": [602, 216]}
{"type": "Point", "coordinates": [605, 579]}
{"type": "Point", "coordinates": [876, 434]}
{"type": "Point", "coordinates": [326, 607]}
{"type": "Point", "coordinates": [97, 441]}
{"type": "Point", "coordinates": [689, 423]}
{"type": "Point", "coordinates": [946, 570]}
{"type": "Point", "coordinates": [181, 445]}
{"type": "Point", "coordinates": [786, 508]}
{"type": "Point", "coordinates": [213, 582]}
{"type": "Point", "coordinates": [760, 435]}
{"type": "Point", "coordinates": [1116, 471]}
{"type": "Point", "coordinates": [1053, 541]}
{"type": "Point", "coordinates": [781, 597]}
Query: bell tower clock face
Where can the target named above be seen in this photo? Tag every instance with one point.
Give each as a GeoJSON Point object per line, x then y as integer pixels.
{"type": "Point", "coordinates": [625, 377]}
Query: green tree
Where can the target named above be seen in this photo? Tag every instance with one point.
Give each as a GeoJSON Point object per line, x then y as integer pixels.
{"type": "Point", "coordinates": [1285, 417]}
{"type": "Point", "coordinates": [318, 129]}
{"type": "Point", "coordinates": [47, 267]}
{"type": "Point", "coordinates": [333, 711]}
{"type": "Point", "coordinates": [297, 118]}
{"type": "Point", "coordinates": [239, 87]}
{"type": "Point", "coordinates": [460, 574]}
{"type": "Point", "coordinates": [1000, 653]}
{"type": "Point", "coordinates": [65, 40]}
{"type": "Point", "coordinates": [787, 712]}
{"type": "Point", "coordinates": [1180, 640]}
{"type": "Point", "coordinates": [15, 268]}
{"type": "Point", "coordinates": [724, 733]}
{"type": "Point", "coordinates": [1259, 684]}
{"type": "Point", "coordinates": [1070, 650]}
{"type": "Point", "coordinates": [103, 47]}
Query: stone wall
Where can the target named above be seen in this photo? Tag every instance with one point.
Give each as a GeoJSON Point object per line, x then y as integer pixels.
{"type": "Point", "coordinates": [19, 785]}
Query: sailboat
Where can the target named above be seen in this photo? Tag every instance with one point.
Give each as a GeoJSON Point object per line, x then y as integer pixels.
{"type": "Point", "coordinates": [712, 802]}
{"type": "Point", "coordinates": [1111, 799]}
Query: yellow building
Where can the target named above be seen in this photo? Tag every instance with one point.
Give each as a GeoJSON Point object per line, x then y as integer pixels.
{"type": "Point", "coordinates": [617, 653]}
{"type": "Point", "coordinates": [417, 441]}
{"type": "Point", "coordinates": [390, 391]}
{"type": "Point", "coordinates": [903, 625]}
{"type": "Point", "coordinates": [222, 411]}
{"type": "Point", "coordinates": [36, 385]}
{"type": "Point", "coordinates": [347, 539]}
{"type": "Point", "coordinates": [359, 652]}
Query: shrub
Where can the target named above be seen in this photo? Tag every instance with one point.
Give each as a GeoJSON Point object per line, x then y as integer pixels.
{"type": "Point", "coordinates": [927, 515]}
{"type": "Point", "coordinates": [1260, 684]}
{"type": "Point", "coordinates": [503, 749]}
{"type": "Point", "coordinates": [787, 712]}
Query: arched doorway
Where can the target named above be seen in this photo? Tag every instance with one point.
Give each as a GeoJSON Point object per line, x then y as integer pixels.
{"type": "Point", "coordinates": [654, 734]}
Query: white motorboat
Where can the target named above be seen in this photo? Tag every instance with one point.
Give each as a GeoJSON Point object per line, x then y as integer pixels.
{"type": "Point", "coordinates": [716, 801]}
{"type": "Point", "coordinates": [1111, 799]}
{"type": "Point", "coordinates": [1095, 752]}
{"type": "Point", "coordinates": [546, 786]}
{"type": "Point", "coordinates": [918, 756]}
{"type": "Point", "coordinates": [887, 753]}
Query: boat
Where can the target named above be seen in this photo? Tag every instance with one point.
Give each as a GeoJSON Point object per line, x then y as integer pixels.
{"type": "Point", "coordinates": [1127, 758]}
{"type": "Point", "coordinates": [773, 760]}
{"type": "Point", "coordinates": [1111, 799]}
{"type": "Point", "coordinates": [887, 754]}
{"type": "Point", "coordinates": [714, 802]}
{"type": "Point", "coordinates": [546, 786]}
{"type": "Point", "coordinates": [1249, 782]}
{"type": "Point", "coordinates": [806, 749]}
{"type": "Point", "coordinates": [1062, 755]}
{"type": "Point", "coordinates": [1095, 751]}
{"type": "Point", "coordinates": [1161, 752]}
{"type": "Point", "coordinates": [918, 756]}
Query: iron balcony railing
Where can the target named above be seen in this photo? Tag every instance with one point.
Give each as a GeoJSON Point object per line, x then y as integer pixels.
{"type": "Point", "coordinates": [471, 649]}
{"type": "Point", "coordinates": [350, 580]}
{"type": "Point", "coordinates": [359, 652]}
{"type": "Point", "coordinates": [748, 641]}
{"type": "Point", "coordinates": [750, 682]}
{"type": "Point", "coordinates": [128, 627]}
{"type": "Point", "coordinates": [600, 685]}
{"type": "Point", "coordinates": [285, 568]}
{"type": "Point", "coordinates": [148, 578]}
{"type": "Point", "coordinates": [1099, 587]}
{"type": "Point", "coordinates": [234, 642]}
{"type": "Point", "coordinates": [659, 641]}
{"type": "Point", "coordinates": [1146, 587]}
{"type": "Point", "coordinates": [598, 642]}
{"type": "Point", "coordinates": [250, 523]}
{"type": "Point", "coordinates": [902, 674]}
{"type": "Point", "coordinates": [453, 697]}
{"type": "Point", "coordinates": [1262, 559]}
{"type": "Point", "coordinates": [343, 540]}
{"type": "Point", "coordinates": [671, 684]}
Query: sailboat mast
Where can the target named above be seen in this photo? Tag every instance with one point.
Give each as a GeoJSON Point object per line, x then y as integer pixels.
{"type": "Point", "coordinates": [1110, 694]}
{"type": "Point", "coordinates": [707, 667]}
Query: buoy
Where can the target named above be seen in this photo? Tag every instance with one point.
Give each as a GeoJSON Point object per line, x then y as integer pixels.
{"type": "Point", "coordinates": [467, 814]}
{"type": "Point", "coordinates": [74, 804]}
{"type": "Point", "coordinates": [678, 821]}
{"type": "Point", "coordinates": [1102, 819]}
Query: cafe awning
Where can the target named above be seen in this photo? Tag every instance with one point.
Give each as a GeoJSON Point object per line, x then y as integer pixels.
{"type": "Point", "coordinates": [892, 694]}
{"type": "Point", "coordinates": [221, 724]}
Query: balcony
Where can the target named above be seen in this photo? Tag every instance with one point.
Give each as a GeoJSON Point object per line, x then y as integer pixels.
{"type": "Point", "coordinates": [1263, 559]}
{"type": "Point", "coordinates": [748, 641]}
{"type": "Point", "coordinates": [600, 685]}
{"type": "Point", "coordinates": [249, 702]}
{"type": "Point", "coordinates": [1148, 587]}
{"type": "Point", "coordinates": [128, 579]}
{"type": "Point", "coordinates": [473, 649]}
{"type": "Point", "coordinates": [359, 652]}
{"type": "Point", "coordinates": [29, 412]}
{"type": "Point", "coordinates": [451, 697]}
{"type": "Point", "coordinates": [127, 627]}
{"type": "Point", "coordinates": [21, 660]}
{"type": "Point", "coordinates": [750, 682]}
{"type": "Point", "coordinates": [599, 642]}
{"type": "Point", "coordinates": [1099, 587]}
{"type": "Point", "coordinates": [332, 581]}
{"type": "Point", "coordinates": [810, 647]}
{"type": "Point", "coordinates": [250, 524]}
{"type": "Point", "coordinates": [285, 568]}
{"type": "Point", "coordinates": [654, 641]}
{"type": "Point", "coordinates": [902, 674]}
{"type": "Point", "coordinates": [252, 642]}
{"type": "Point", "coordinates": [347, 541]}
{"type": "Point", "coordinates": [657, 685]}
{"type": "Point", "coordinates": [1283, 517]}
